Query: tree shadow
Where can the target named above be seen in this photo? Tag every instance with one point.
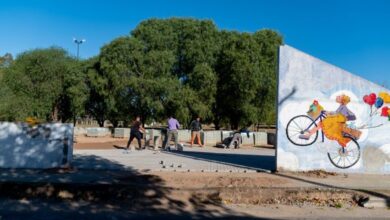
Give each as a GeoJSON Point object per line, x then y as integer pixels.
{"type": "Point", "coordinates": [108, 190]}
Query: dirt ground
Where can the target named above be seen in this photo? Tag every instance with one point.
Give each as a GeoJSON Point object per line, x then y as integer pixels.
{"type": "Point", "coordinates": [271, 197]}
{"type": "Point", "coordinates": [252, 189]}
{"type": "Point", "coordinates": [171, 195]}
{"type": "Point", "coordinates": [99, 143]}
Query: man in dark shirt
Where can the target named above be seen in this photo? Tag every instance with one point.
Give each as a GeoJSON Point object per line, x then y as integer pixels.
{"type": "Point", "coordinates": [196, 127]}
{"type": "Point", "coordinates": [136, 132]}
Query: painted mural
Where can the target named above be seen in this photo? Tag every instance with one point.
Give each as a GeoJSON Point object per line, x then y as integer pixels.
{"type": "Point", "coordinates": [329, 118]}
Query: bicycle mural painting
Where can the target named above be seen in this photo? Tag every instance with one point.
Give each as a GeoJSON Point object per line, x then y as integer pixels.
{"type": "Point", "coordinates": [303, 130]}
{"type": "Point", "coordinates": [329, 138]}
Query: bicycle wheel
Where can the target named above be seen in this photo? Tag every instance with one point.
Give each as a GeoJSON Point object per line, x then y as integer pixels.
{"type": "Point", "coordinates": [345, 157]}
{"type": "Point", "coordinates": [299, 125]}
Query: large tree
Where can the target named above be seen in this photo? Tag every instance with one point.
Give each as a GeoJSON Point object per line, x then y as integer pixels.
{"type": "Point", "coordinates": [134, 81]}
{"type": "Point", "coordinates": [46, 84]}
{"type": "Point", "coordinates": [194, 45]}
{"type": "Point", "coordinates": [239, 79]}
{"type": "Point", "coordinates": [96, 105]}
{"type": "Point", "coordinates": [268, 42]}
{"type": "Point", "coordinates": [187, 67]}
{"type": "Point", "coordinates": [203, 81]}
{"type": "Point", "coordinates": [181, 67]}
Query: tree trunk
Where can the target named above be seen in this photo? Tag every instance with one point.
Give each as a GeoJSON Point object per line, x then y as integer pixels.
{"type": "Point", "coordinates": [217, 125]}
{"type": "Point", "coordinates": [54, 114]}
{"type": "Point", "coordinates": [114, 123]}
{"type": "Point", "coordinates": [234, 124]}
{"type": "Point", "coordinates": [100, 122]}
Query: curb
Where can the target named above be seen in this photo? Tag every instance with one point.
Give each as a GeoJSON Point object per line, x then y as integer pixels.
{"type": "Point", "coordinates": [376, 202]}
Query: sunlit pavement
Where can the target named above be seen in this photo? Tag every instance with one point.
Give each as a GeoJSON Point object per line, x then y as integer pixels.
{"type": "Point", "coordinates": [190, 159]}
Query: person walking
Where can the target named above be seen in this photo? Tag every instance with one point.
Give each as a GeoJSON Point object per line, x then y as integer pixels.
{"type": "Point", "coordinates": [196, 127]}
{"type": "Point", "coordinates": [136, 131]}
{"type": "Point", "coordinates": [173, 126]}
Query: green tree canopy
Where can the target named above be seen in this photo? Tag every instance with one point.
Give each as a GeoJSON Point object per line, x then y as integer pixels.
{"type": "Point", "coordinates": [187, 67]}
{"type": "Point", "coordinates": [47, 84]}
{"type": "Point", "coordinates": [180, 67]}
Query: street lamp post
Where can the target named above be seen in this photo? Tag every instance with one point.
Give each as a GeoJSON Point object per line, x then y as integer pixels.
{"type": "Point", "coordinates": [78, 42]}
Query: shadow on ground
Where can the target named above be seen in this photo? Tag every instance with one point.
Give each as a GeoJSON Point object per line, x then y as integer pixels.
{"type": "Point", "coordinates": [247, 161]}
{"type": "Point", "coordinates": [101, 194]}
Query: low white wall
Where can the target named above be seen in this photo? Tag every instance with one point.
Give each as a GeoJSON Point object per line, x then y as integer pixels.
{"type": "Point", "coordinates": [226, 134]}
{"type": "Point", "coordinates": [260, 138]}
{"type": "Point", "coordinates": [211, 137]}
{"type": "Point", "coordinates": [98, 132]}
{"type": "Point", "coordinates": [247, 140]}
{"type": "Point", "coordinates": [122, 132]}
{"type": "Point", "coordinates": [42, 146]}
{"type": "Point", "coordinates": [207, 137]}
{"type": "Point", "coordinates": [154, 138]}
{"type": "Point", "coordinates": [184, 135]}
{"type": "Point", "coordinates": [79, 131]}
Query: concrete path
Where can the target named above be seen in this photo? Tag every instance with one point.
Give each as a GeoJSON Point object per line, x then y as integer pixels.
{"type": "Point", "coordinates": [190, 159]}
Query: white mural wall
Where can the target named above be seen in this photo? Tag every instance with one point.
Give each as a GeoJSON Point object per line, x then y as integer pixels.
{"type": "Point", "coordinates": [307, 84]}
{"type": "Point", "coordinates": [40, 146]}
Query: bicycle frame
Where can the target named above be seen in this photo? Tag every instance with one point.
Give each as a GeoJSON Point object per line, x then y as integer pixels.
{"type": "Point", "coordinates": [320, 118]}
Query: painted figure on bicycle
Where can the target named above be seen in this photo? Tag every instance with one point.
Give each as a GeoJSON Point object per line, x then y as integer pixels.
{"type": "Point", "coordinates": [334, 124]}
{"type": "Point", "coordinates": [303, 130]}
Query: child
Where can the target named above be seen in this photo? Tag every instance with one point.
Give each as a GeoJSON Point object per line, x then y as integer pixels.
{"type": "Point", "coordinates": [315, 109]}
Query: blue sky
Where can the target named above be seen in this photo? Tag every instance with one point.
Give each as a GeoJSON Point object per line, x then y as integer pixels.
{"type": "Point", "coordinates": [352, 34]}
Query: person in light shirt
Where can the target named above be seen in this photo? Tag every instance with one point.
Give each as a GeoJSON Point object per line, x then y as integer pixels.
{"type": "Point", "coordinates": [173, 126]}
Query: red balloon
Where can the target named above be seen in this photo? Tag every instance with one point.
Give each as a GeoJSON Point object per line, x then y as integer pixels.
{"type": "Point", "coordinates": [385, 111]}
{"type": "Point", "coordinates": [365, 99]}
{"type": "Point", "coordinates": [370, 99]}
{"type": "Point", "coordinates": [373, 96]}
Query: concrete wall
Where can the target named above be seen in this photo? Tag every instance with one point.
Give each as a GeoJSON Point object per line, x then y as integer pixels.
{"type": "Point", "coordinates": [260, 138]}
{"type": "Point", "coordinates": [248, 140]}
{"type": "Point", "coordinates": [303, 79]}
{"type": "Point", "coordinates": [43, 146]}
{"type": "Point", "coordinates": [98, 132]}
{"type": "Point", "coordinates": [79, 131]}
{"type": "Point", "coordinates": [122, 132]}
{"type": "Point", "coordinates": [154, 138]}
{"type": "Point", "coordinates": [207, 137]}
{"type": "Point", "coordinates": [184, 135]}
{"type": "Point", "coordinates": [225, 134]}
{"type": "Point", "coordinates": [211, 137]}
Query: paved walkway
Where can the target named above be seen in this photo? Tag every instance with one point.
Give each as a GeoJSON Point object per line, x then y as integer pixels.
{"type": "Point", "coordinates": [190, 159]}
{"type": "Point", "coordinates": [129, 192]}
